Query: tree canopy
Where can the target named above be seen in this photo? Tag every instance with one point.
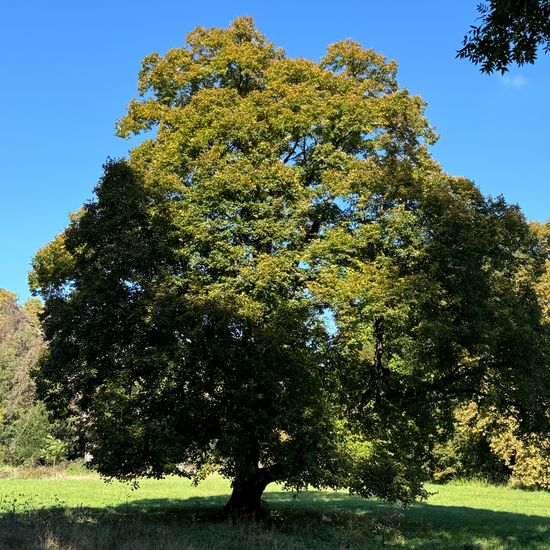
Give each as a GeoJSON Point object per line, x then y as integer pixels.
{"type": "Point", "coordinates": [281, 282]}
{"type": "Point", "coordinates": [511, 31]}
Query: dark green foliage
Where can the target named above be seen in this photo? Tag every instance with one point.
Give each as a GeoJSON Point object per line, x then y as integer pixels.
{"type": "Point", "coordinates": [24, 436]}
{"type": "Point", "coordinates": [511, 31]}
{"type": "Point", "coordinates": [488, 442]}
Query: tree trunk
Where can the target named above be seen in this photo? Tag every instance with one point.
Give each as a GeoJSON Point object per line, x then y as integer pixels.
{"type": "Point", "coordinates": [379, 348]}
{"type": "Point", "coordinates": [245, 502]}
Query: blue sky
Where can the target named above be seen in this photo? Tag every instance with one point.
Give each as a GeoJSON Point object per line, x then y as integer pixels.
{"type": "Point", "coordinates": [70, 68]}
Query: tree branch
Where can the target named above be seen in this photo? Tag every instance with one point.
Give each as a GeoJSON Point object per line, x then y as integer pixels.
{"type": "Point", "coordinates": [290, 153]}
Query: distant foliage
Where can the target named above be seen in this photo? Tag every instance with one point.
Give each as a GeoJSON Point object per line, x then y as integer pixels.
{"type": "Point", "coordinates": [54, 450]}
{"type": "Point", "coordinates": [488, 444]}
{"type": "Point", "coordinates": [527, 456]}
{"type": "Point", "coordinates": [24, 434]}
{"type": "Point", "coordinates": [491, 447]}
{"type": "Point", "coordinates": [20, 344]}
{"type": "Point", "coordinates": [468, 454]}
{"type": "Point", "coordinates": [542, 285]}
{"type": "Point", "coordinates": [25, 428]}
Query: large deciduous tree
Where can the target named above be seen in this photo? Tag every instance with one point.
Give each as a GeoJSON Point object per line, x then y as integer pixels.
{"type": "Point", "coordinates": [281, 283]}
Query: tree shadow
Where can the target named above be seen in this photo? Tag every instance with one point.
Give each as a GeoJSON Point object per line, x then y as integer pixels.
{"type": "Point", "coordinates": [306, 520]}
{"type": "Point", "coordinates": [424, 525]}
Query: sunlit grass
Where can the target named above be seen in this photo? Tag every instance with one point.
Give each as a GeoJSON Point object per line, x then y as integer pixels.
{"type": "Point", "coordinates": [87, 513]}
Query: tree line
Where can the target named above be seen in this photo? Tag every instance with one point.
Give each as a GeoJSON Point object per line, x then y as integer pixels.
{"type": "Point", "coordinates": [27, 434]}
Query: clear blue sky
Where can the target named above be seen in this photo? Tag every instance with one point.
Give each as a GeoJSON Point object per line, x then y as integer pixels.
{"type": "Point", "coordinates": [69, 69]}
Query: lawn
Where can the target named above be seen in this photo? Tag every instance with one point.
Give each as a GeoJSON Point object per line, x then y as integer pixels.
{"type": "Point", "coordinates": [87, 513]}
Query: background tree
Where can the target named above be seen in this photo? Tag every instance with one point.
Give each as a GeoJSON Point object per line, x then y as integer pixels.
{"type": "Point", "coordinates": [281, 282]}
{"type": "Point", "coordinates": [487, 445]}
{"type": "Point", "coordinates": [542, 283]}
{"type": "Point", "coordinates": [486, 442]}
{"type": "Point", "coordinates": [511, 31]}
{"type": "Point", "coordinates": [24, 422]}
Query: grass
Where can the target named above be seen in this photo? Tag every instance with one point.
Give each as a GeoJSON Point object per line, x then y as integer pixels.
{"type": "Point", "coordinates": [86, 513]}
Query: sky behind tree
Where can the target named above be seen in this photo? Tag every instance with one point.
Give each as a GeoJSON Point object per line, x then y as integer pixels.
{"type": "Point", "coordinates": [70, 69]}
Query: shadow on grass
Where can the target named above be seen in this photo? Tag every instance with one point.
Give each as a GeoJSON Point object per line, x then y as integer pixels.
{"type": "Point", "coordinates": [323, 520]}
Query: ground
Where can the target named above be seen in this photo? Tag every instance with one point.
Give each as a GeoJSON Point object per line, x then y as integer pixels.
{"type": "Point", "coordinates": [82, 512]}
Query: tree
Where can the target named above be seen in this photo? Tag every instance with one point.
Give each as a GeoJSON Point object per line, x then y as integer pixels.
{"type": "Point", "coordinates": [486, 442]}
{"type": "Point", "coordinates": [24, 422]}
{"type": "Point", "coordinates": [511, 31]}
{"type": "Point", "coordinates": [487, 445]}
{"type": "Point", "coordinates": [542, 283]}
{"type": "Point", "coordinates": [21, 342]}
{"type": "Point", "coordinates": [281, 282]}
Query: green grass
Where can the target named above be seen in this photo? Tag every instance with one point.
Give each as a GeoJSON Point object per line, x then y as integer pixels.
{"type": "Point", "coordinates": [82, 514]}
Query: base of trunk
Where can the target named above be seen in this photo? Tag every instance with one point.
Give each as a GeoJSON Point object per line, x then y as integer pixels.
{"type": "Point", "coordinates": [245, 502]}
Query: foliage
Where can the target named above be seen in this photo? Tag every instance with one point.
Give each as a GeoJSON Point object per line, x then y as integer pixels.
{"type": "Point", "coordinates": [24, 436]}
{"type": "Point", "coordinates": [542, 285]}
{"type": "Point", "coordinates": [488, 444]}
{"type": "Point", "coordinates": [527, 456]}
{"type": "Point", "coordinates": [24, 423]}
{"type": "Point", "coordinates": [20, 344]}
{"type": "Point", "coordinates": [511, 31]}
{"type": "Point", "coordinates": [54, 450]}
{"type": "Point", "coordinates": [281, 282]}
{"type": "Point", "coordinates": [6, 297]}
{"type": "Point", "coordinates": [468, 454]}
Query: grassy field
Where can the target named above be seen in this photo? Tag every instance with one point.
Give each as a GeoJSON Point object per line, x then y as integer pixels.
{"type": "Point", "coordinates": [87, 513]}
